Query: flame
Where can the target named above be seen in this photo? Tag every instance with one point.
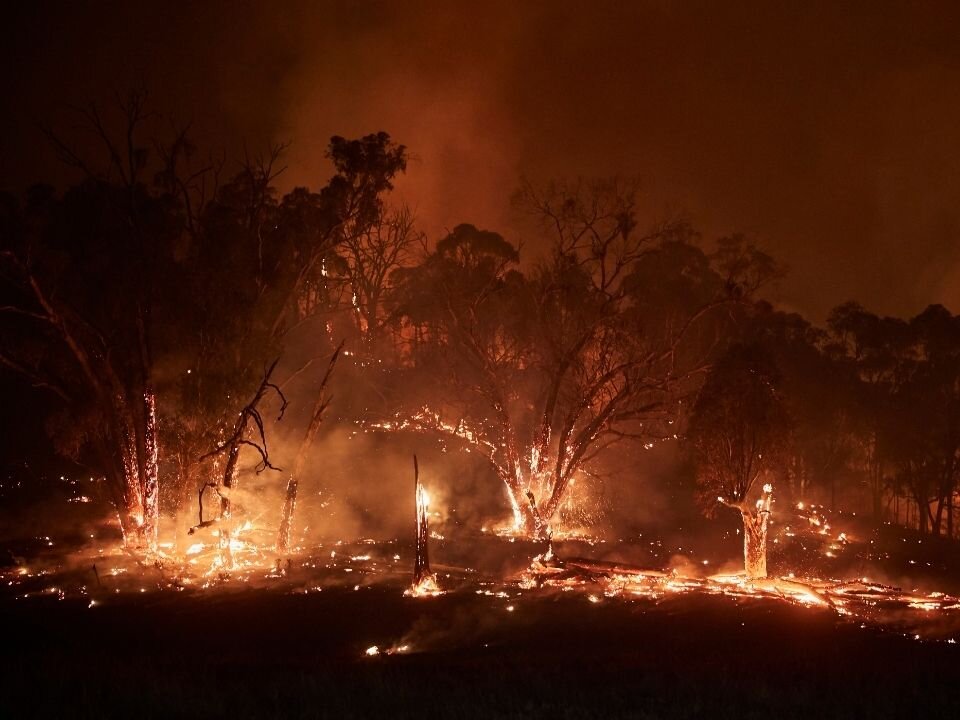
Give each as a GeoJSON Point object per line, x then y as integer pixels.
{"type": "Point", "coordinates": [425, 582]}
{"type": "Point", "coordinates": [427, 587]}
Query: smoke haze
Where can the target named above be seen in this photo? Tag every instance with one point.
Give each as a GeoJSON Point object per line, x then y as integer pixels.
{"type": "Point", "coordinates": [826, 132]}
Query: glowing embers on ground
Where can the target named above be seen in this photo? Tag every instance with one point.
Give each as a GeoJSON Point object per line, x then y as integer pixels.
{"type": "Point", "coordinates": [384, 567]}
{"type": "Point", "coordinates": [860, 599]}
{"type": "Point", "coordinates": [191, 564]}
{"type": "Point", "coordinates": [96, 574]}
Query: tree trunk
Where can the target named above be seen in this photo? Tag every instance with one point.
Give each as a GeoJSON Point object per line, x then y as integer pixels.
{"type": "Point", "coordinates": [285, 532]}
{"type": "Point", "coordinates": [421, 554]}
{"type": "Point", "coordinates": [950, 517]}
{"type": "Point", "coordinates": [125, 438]}
{"type": "Point", "coordinates": [876, 481]}
{"type": "Point", "coordinates": [134, 446]}
{"type": "Point", "coordinates": [114, 470]}
{"type": "Point", "coordinates": [150, 473]}
{"type": "Point", "coordinates": [424, 581]}
{"type": "Point", "coordinates": [938, 518]}
{"type": "Point", "coordinates": [755, 523]}
{"type": "Point", "coordinates": [524, 523]}
{"type": "Point", "coordinates": [225, 525]}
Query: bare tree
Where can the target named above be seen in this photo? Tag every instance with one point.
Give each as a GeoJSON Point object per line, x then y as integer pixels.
{"type": "Point", "coordinates": [372, 254]}
{"type": "Point", "coordinates": [99, 315]}
{"type": "Point", "coordinates": [250, 416]}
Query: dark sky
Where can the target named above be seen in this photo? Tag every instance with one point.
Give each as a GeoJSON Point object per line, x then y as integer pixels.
{"type": "Point", "coordinates": [829, 133]}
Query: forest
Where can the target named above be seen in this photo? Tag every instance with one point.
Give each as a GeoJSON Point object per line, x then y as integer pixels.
{"type": "Point", "coordinates": [167, 301]}
{"type": "Point", "coordinates": [154, 300]}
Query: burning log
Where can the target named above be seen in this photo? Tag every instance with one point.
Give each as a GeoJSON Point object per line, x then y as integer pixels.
{"type": "Point", "coordinates": [424, 581]}
{"type": "Point", "coordinates": [290, 498]}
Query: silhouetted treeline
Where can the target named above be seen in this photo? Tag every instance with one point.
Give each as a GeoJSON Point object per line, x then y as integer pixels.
{"type": "Point", "coordinates": [870, 408]}
{"type": "Point", "coordinates": [152, 297]}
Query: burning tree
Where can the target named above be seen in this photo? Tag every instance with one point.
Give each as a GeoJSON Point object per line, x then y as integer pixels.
{"type": "Point", "coordinates": [81, 280]}
{"type": "Point", "coordinates": [601, 342]}
{"type": "Point", "coordinates": [282, 248]}
{"type": "Point", "coordinates": [149, 297]}
{"type": "Point", "coordinates": [740, 431]}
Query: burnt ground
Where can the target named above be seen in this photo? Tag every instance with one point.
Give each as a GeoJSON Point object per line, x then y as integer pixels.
{"type": "Point", "coordinates": [261, 653]}
{"type": "Point", "coordinates": [279, 648]}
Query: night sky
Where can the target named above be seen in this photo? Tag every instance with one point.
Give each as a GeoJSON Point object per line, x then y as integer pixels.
{"type": "Point", "coordinates": [828, 133]}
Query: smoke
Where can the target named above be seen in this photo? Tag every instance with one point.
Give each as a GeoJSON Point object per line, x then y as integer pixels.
{"type": "Point", "coordinates": [826, 132]}
{"type": "Point", "coordinates": [803, 129]}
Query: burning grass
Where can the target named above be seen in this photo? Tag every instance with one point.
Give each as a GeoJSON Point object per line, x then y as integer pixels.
{"type": "Point", "coordinates": [833, 564]}
{"type": "Point", "coordinates": [491, 566]}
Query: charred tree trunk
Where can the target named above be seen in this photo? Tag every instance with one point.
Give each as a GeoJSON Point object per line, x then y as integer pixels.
{"type": "Point", "coordinates": [150, 473]}
{"type": "Point", "coordinates": [522, 522]}
{"type": "Point", "coordinates": [114, 470]}
{"type": "Point", "coordinates": [877, 490]}
{"type": "Point", "coordinates": [225, 526]}
{"type": "Point", "coordinates": [950, 516]}
{"type": "Point", "coordinates": [285, 532]}
{"type": "Point", "coordinates": [755, 524]}
{"type": "Point", "coordinates": [290, 497]}
{"type": "Point", "coordinates": [424, 581]}
{"type": "Point", "coordinates": [421, 555]}
{"type": "Point", "coordinates": [124, 433]}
